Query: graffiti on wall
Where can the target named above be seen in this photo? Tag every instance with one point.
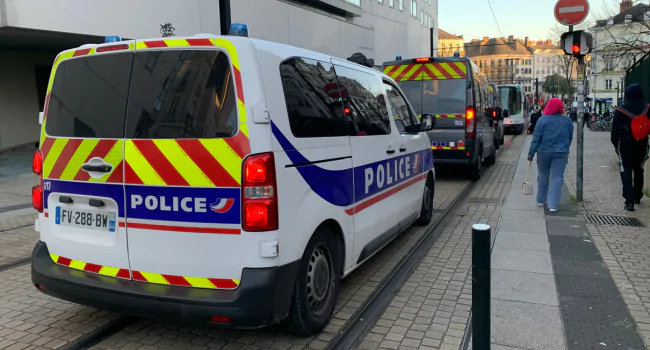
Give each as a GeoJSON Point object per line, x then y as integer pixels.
{"type": "Point", "coordinates": [167, 30]}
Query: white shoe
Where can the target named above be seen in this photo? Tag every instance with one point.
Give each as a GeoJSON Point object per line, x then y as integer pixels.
{"type": "Point", "coordinates": [552, 210]}
{"type": "Point", "coordinates": [540, 204]}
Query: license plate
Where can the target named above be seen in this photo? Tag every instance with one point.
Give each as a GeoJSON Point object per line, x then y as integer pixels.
{"type": "Point", "coordinates": [459, 122]}
{"type": "Point", "coordinates": [96, 220]}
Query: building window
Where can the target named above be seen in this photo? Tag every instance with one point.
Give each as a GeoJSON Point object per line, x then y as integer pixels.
{"type": "Point", "coordinates": [380, 1]}
{"type": "Point", "coordinates": [414, 8]}
{"type": "Point", "coordinates": [391, 3]}
{"type": "Point", "coordinates": [608, 84]}
{"type": "Point", "coordinates": [422, 17]}
{"type": "Point", "coordinates": [401, 5]}
{"type": "Point", "coordinates": [356, 2]}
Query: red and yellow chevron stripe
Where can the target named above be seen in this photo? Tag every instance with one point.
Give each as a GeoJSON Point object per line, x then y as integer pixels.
{"type": "Point", "coordinates": [441, 148]}
{"type": "Point", "coordinates": [88, 267]}
{"type": "Point", "coordinates": [449, 116]}
{"type": "Point", "coordinates": [189, 162]}
{"type": "Point", "coordinates": [185, 281]}
{"type": "Point", "coordinates": [427, 71]}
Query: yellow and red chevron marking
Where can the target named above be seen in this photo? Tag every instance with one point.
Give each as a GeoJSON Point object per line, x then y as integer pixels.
{"type": "Point", "coordinates": [185, 281]}
{"type": "Point", "coordinates": [449, 116]}
{"type": "Point", "coordinates": [404, 72]}
{"type": "Point", "coordinates": [189, 162]}
{"type": "Point", "coordinates": [444, 71]}
{"type": "Point", "coordinates": [88, 267]}
{"type": "Point", "coordinates": [64, 157]}
{"type": "Point", "coordinates": [441, 148]}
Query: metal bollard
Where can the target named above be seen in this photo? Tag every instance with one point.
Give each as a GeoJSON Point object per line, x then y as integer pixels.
{"type": "Point", "coordinates": [481, 238]}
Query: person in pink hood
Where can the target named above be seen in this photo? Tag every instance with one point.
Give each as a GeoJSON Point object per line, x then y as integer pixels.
{"type": "Point", "coordinates": [551, 142]}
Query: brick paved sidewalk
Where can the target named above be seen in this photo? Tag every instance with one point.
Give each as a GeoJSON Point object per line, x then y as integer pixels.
{"type": "Point", "coordinates": [625, 250]}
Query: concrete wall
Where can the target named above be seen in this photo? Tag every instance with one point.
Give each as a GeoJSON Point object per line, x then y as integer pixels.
{"type": "Point", "coordinates": [19, 105]}
{"type": "Point", "coordinates": [127, 18]}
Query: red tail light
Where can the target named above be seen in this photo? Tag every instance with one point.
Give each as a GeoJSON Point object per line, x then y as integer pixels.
{"type": "Point", "coordinates": [469, 123]}
{"type": "Point", "coordinates": [259, 193]}
{"type": "Point", "coordinates": [37, 197]}
{"type": "Point", "coordinates": [37, 162]}
{"type": "Point", "coordinates": [108, 48]}
{"type": "Point", "coordinates": [494, 114]}
{"type": "Point", "coordinates": [422, 59]}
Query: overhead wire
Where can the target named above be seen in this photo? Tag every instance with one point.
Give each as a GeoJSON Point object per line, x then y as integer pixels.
{"type": "Point", "coordinates": [495, 18]}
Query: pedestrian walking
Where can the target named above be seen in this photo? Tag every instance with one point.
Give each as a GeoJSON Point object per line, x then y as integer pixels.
{"type": "Point", "coordinates": [631, 143]}
{"type": "Point", "coordinates": [551, 141]}
{"type": "Point", "coordinates": [533, 120]}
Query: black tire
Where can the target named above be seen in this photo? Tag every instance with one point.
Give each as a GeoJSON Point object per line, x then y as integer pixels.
{"type": "Point", "coordinates": [502, 140]}
{"type": "Point", "coordinates": [426, 211]}
{"type": "Point", "coordinates": [319, 271]}
{"type": "Point", "coordinates": [497, 145]}
{"type": "Point", "coordinates": [475, 168]}
{"type": "Point", "coordinates": [492, 158]}
{"type": "Point", "coordinates": [519, 130]}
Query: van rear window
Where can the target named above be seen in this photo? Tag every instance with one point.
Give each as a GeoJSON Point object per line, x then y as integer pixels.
{"type": "Point", "coordinates": [436, 96]}
{"type": "Point", "coordinates": [155, 94]}
{"type": "Point", "coordinates": [89, 97]}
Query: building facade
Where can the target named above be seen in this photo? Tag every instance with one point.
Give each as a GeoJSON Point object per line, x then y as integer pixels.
{"type": "Point", "coordinates": [32, 32]}
{"type": "Point", "coordinates": [504, 60]}
{"type": "Point", "coordinates": [549, 60]}
{"type": "Point", "coordinates": [618, 41]}
{"type": "Point", "coordinates": [448, 44]}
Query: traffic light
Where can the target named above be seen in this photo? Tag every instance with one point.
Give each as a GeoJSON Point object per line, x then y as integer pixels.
{"type": "Point", "coordinates": [578, 43]}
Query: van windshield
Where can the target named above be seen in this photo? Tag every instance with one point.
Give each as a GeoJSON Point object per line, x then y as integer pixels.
{"type": "Point", "coordinates": [436, 96]}
{"type": "Point", "coordinates": [173, 94]}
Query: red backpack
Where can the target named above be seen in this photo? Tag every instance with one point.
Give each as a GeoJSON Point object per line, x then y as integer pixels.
{"type": "Point", "coordinates": [640, 124]}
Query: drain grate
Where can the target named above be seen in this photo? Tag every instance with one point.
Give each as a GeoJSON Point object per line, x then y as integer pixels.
{"type": "Point", "coordinates": [613, 220]}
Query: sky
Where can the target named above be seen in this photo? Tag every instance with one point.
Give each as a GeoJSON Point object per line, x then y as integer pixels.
{"type": "Point", "coordinates": [531, 18]}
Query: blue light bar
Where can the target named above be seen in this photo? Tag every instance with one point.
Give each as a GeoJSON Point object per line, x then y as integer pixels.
{"type": "Point", "coordinates": [456, 54]}
{"type": "Point", "coordinates": [112, 39]}
{"type": "Point", "coordinates": [238, 29]}
{"type": "Point", "coordinates": [398, 58]}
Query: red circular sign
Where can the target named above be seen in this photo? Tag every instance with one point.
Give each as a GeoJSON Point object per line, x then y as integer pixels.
{"type": "Point", "coordinates": [571, 12]}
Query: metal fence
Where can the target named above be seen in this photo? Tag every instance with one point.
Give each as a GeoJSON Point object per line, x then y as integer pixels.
{"type": "Point", "coordinates": [638, 73]}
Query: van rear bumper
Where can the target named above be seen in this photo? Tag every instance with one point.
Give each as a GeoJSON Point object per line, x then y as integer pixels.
{"type": "Point", "coordinates": [262, 298]}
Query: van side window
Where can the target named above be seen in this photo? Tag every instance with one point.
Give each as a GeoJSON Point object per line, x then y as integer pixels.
{"type": "Point", "coordinates": [187, 94]}
{"type": "Point", "coordinates": [313, 98]}
{"type": "Point", "coordinates": [364, 102]}
{"type": "Point", "coordinates": [401, 112]}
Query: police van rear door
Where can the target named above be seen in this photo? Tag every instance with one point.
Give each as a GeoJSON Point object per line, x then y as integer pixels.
{"type": "Point", "coordinates": [183, 157]}
{"type": "Point", "coordinates": [82, 144]}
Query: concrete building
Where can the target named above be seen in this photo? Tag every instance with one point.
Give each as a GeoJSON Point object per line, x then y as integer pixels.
{"type": "Point", "coordinates": [32, 32]}
{"type": "Point", "coordinates": [504, 60]}
{"type": "Point", "coordinates": [618, 42]}
{"type": "Point", "coordinates": [448, 44]}
{"type": "Point", "coordinates": [549, 59]}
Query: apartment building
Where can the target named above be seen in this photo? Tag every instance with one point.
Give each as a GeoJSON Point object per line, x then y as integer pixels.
{"type": "Point", "coordinates": [449, 44]}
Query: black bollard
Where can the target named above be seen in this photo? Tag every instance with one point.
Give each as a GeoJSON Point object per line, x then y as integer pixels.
{"type": "Point", "coordinates": [481, 238]}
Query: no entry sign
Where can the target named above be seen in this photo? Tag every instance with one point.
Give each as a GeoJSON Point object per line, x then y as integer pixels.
{"type": "Point", "coordinates": [571, 12]}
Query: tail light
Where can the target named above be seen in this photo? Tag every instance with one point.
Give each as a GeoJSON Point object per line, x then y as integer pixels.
{"type": "Point", "coordinates": [469, 123]}
{"type": "Point", "coordinates": [37, 191]}
{"type": "Point", "coordinates": [259, 193]}
{"type": "Point", "coordinates": [110, 48]}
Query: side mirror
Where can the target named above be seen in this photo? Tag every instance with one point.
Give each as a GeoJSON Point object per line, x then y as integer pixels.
{"type": "Point", "coordinates": [427, 122]}
{"type": "Point", "coordinates": [506, 114]}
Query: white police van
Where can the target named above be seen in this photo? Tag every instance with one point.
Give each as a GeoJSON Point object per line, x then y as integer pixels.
{"type": "Point", "coordinates": [221, 179]}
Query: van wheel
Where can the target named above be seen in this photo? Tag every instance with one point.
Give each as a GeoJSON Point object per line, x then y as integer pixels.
{"type": "Point", "coordinates": [475, 168]}
{"type": "Point", "coordinates": [492, 158]}
{"type": "Point", "coordinates": [317, 285]}
{"type": "Point", "coordinates": [519, 130]}
{"type": "Point", "coordinates": [502, 140]}
{"type": "Point", "coordinates": [496, 143]}
{"type": "Point", "coordinates": [426, 212]}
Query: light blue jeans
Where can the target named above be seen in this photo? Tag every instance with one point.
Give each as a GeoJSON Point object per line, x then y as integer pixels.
{"type": "Point", "coordinates": [550, 171]}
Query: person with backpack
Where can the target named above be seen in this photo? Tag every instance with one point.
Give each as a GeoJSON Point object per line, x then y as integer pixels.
{"type": "Point", "coordinates": [630, 130]}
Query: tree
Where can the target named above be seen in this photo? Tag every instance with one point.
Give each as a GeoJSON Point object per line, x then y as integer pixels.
{"type": "Point", "coordinates": [623, 43]}
{"type": "Point", "coordinates": [566, 63]}
{"type": "Point", "coordinates": [558, 85]}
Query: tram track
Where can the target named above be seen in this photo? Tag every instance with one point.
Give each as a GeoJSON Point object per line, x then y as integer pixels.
{"type": "Point", "coordinates": [361, 321]}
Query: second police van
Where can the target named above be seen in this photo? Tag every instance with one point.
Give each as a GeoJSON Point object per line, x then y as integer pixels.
{"type": "Point", "coordinates": [221, 179]}
{"type": "Point", "coordinates": [456, 92]}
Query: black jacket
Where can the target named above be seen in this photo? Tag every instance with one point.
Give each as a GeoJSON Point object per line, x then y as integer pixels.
{"type": "Point", "coordinates": [621, 123]}
{"type": "Point", "coordinates": [533, 121]}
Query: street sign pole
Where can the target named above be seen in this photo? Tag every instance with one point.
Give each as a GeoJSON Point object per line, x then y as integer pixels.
{"type": "Point", "coordinates": [581, 121]}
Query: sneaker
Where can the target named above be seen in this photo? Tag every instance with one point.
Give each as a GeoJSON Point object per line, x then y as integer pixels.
{"type": "Point", "coordinates": [553, 210]}
{"type": "Point", "coordinates": [629, 207]}
{"type": "Point", "coordinates": [540, 204]}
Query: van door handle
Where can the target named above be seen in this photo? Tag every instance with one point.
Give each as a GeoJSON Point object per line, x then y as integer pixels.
{"type": "Point", "coordinates": [402, 149]}
{"type": "Point", "coordinates": [97, 168]}
{"type": "Point", "coordinates": [390, 150]}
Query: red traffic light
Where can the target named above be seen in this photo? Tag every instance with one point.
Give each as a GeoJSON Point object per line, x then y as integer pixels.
{"type": "Point", "coordinates": [575, 49]}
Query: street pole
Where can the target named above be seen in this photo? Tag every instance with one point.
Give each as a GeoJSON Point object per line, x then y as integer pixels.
{"type": "Point", "coordinates": [580, 145]}
{"type": "Point", "coordinates": [431, 41]}
{"type": "Point", "coordinates": [536, 91]}
{"type": "Point", "coordinates": [224, 16]}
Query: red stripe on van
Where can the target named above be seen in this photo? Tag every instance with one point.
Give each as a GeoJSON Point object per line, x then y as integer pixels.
{"type": "Point", "coordinates": [207, 163]}
{"type": "Point", "coordinates": [374, 200]}
{"type": "Point", "coordinates": [64, 158]}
